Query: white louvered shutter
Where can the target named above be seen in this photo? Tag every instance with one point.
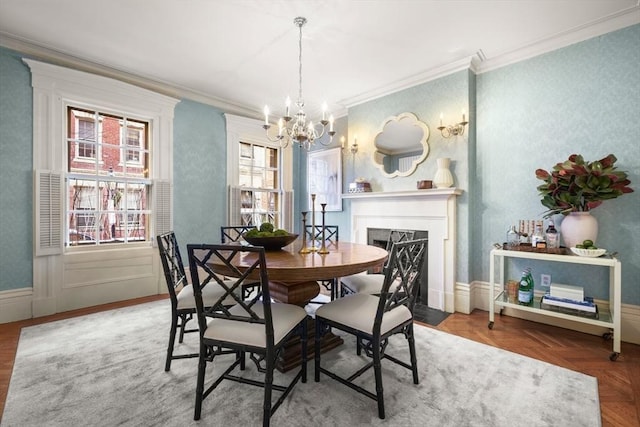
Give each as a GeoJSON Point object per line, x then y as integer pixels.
{"type": "Point", "coordinates": [48, 212]}
{"type": "Point", "coordinates": [162, 209]}
{"type": "Point", "coordinates": [287, 211]}
{"type": "Point", "coordinates": [234, 206]}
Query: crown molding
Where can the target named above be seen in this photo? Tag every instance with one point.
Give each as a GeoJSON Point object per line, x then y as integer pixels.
{"type": "Point", "coordinates": [43, 53]}
{"type": "Point", "coordinates": [406, 83]}
{"type": "Point", "coordinates": [478, 63]}
{"type": "Point", "coordinates": [604, 25]}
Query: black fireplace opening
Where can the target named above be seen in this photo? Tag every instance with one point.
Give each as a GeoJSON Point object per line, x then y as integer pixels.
{"type": "Point", "coordinates": [379, 237]}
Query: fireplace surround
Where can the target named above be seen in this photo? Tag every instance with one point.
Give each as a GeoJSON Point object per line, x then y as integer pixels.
{"type": "Point", "coordinates": [431, 210]}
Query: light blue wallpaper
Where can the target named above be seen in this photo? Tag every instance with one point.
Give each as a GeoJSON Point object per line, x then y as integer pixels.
{"type": "Point", "coordinates": [199, 172]}
{"type": "Point", "coordinates": [584, 99]}
{"type": "Point", "coordinates": [448, 95]}
{"type": "Point", "coordinates": [16, 164]}
{"type": "Point", "coordinates": [339, 218]}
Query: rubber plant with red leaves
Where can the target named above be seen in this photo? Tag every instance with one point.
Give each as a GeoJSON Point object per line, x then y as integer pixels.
{"type": "Point", "coordinates": [579, 186]}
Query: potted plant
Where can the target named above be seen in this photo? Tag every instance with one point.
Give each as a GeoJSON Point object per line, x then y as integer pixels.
{"type": "Point", "coordinates": [576, 186]}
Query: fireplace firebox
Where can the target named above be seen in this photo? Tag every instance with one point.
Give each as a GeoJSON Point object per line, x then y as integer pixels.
{"type": "Point", "coordinates": [379, 237]}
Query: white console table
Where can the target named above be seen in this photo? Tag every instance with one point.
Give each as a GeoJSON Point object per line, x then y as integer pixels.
{"type": "Point", "coordinates": [607, 318]}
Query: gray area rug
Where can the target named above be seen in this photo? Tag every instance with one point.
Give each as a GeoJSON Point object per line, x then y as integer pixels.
{"type": "Point", "coordinates": [107, 369]}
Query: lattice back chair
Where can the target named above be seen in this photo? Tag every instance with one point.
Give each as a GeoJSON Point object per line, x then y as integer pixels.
{"type": "Point", "coordinates": [372, 283]}
{"type": "Point", "coordinates": [256, 326]}
{"type": "Point", "coordinates": [331, 236]}
{"type": "Point", "coordinates": [233, 233]}
{"type": "Point", "coordinates": [183, 304]}
{"type": "Point", "coordinates": [374, 318]}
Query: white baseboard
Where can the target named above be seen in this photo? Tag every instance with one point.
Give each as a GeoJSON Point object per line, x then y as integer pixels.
{"type": "Point", "coordinates": [476, 296]}
{"type": "Point", "coordinates": [15, 304]}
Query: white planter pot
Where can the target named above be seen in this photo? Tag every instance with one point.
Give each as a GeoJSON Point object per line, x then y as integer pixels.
{"type": "Point", "coordinates": [578, 227]}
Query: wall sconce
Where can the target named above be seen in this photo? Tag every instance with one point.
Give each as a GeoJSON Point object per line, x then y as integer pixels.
{"type": "Point", "coordinates": [453, 130]}
{"type": "Point", "coordinates": [353, 148]}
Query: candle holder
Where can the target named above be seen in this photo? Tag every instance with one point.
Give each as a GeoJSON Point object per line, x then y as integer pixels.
{"type": "Point", "coordinates": [313, 248]}
{"type": "Point", "coordinates": [304, 249]}
{"type": "Point", "coordinates": [323, 248]}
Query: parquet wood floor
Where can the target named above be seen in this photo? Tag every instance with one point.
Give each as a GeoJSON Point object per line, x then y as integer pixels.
{"type": "Point", "coordinates": [618, 382]}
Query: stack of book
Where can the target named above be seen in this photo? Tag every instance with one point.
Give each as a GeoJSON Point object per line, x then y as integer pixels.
{"type": "Point", "coordinates": [585, 307]}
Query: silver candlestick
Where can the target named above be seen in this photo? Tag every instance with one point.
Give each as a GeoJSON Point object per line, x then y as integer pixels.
{"type": "Point", "coordinates": [323, 248]}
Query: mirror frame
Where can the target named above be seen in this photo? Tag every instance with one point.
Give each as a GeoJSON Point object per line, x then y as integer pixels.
{"type": "Point", "coordinates": [412, 119]}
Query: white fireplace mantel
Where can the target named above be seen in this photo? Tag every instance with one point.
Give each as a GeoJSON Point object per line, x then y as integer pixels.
{"type": "Point", "coordinates": [433, 210]}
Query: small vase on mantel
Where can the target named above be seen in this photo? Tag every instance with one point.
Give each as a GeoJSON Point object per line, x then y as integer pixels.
{"type": "Point", "coordinates": [443, 177]}
{"type": "Point", "coordinates": [578, 227]}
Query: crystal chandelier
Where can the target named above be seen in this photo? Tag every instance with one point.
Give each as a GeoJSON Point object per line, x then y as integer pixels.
{"type": "Point", "coordinates": [296, 129]}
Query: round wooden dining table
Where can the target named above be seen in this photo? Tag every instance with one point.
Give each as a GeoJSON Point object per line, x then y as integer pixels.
{"type": "Point", "coordinates": [293, 279]}
{"type": "Point", "coordinates": [293, 275]}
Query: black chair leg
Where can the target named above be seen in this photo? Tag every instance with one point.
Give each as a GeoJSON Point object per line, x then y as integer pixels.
{"type": "Point", "coordinates": [268, 384]}
{"type": "Point", "coordinates": [202, 365]}
{"type": "Point", "coordinates": [377, 368]}
{"type": "Point", "coordinates": [183, 325]}
{"type": "Point", "coordinates": [172, 339]}
{"type": "Point", "coordinates": [412, 354]}
{"type": "Point", "coordinates": [243, 360]}
{"type": "Point", "coordinates": [318, 336]}
{"type": "Point", "coordinates": [358, 346]}
{"type": "Point", "coordinates": [303, 342]}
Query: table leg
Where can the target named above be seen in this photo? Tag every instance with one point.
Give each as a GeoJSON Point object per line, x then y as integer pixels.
{"type": "Point", "coordinates": [300, 293]}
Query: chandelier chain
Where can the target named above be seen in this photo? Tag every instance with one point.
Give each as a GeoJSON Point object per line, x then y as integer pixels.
{"type": "Point", "coordinates": [300, 23]}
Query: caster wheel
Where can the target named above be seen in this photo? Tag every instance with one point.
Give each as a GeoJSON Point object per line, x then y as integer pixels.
{"type": "Point", "coordinates": [490, 325]}
{"type": "Point", "coordinates": [607, 336]}
{"type": "Point", "coordinates": [614, 356]}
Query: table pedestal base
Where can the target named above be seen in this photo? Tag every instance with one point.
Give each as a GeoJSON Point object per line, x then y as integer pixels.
{"type": "Point", "coordinates": [300, 293]}
{"type": "Point", "coordinates": [291, 355]}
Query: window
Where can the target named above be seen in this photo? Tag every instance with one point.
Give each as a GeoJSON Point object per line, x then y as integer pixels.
{"type": "Point", "coordinates": [259, 174]}
{"type": "Point", "coordinates": [107, 193]}
{"type": "Point", "coordinates": [259, 179]}
{"type": "Point", "coordinates": [86, 132]}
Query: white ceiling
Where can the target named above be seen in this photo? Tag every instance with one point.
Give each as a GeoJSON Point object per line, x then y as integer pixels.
{"type": "Point", "coordinates": [242, 54]}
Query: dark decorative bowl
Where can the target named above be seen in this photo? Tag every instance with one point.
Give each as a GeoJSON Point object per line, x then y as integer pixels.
{"type": "Point", "coordinates": [274, 243]}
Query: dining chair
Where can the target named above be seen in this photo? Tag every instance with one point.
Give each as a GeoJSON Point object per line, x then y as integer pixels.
{"type": "Point", "coordinates": [233, 233]}
{"type": "Point", "coordinates": [331, 236]}
{"type": "Point", "coordinates": [257, 326]}
{"type": "Point", "coordinates": [183, 304]}
{"type": "Point", "coordinates": [372, 319]}
{"type": "Point", "coordinates": [372, 283]}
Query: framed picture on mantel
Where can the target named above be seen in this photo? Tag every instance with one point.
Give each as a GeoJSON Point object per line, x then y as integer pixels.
{"type": "Point", "coordinates": [324, 178]}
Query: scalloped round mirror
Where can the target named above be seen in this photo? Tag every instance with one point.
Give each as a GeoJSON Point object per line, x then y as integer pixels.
{"type": "Point", "coordinates": [401, 145]}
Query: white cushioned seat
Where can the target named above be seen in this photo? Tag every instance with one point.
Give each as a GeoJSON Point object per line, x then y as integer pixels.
{"type": "Point", "coordinates": [210, 294]}
{"type": "Point", "coordinates": [366, 283]}
{"type": "Point", "coordinates": [285, 318]}
{"type": "Point", "coordinates": [358, 311]}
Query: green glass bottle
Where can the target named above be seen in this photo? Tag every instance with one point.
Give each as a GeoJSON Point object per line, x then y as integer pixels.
{"type": "Point", "coordinates": [525, 289]}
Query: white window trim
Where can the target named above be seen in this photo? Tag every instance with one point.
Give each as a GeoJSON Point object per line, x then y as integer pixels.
{"type": "Point", "coordinates": [54, 88]}
{"type": "Point", "coordinates": [251, 130]}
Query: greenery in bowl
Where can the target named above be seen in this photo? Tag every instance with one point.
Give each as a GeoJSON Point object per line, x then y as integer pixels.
{"type": "Point", "coordinates": [269, 237]}
{"type": "Point", "coordinates": [576, 185]}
